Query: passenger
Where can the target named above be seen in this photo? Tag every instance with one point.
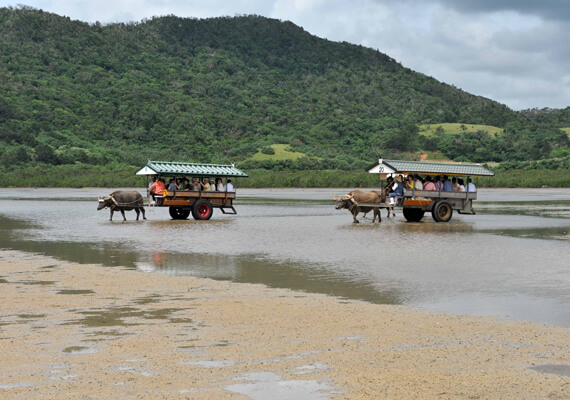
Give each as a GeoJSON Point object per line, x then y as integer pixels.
{"type": "Point", "coordinates": [212, 185]}
{"type": "Point", "coordinates": [418, 183]}
{"type": "Point", "coordinates": [460, 185]}
{"type": "Point", "coordinates": [157, 189]}
{"type": "Point", "coordinates": [219, 186]}
{"type": "Point", "coordinates": [195, 185]}
{"type": "Point", "coordinates": [454, 184]}
{"type": "Point", "coordinates": [410, 182]}
{"type": "Point", "coordinates": [171, 185]}
{"type": "Point", "coordinates": [428, 184]}
{"type": "Point", "coordinates": [438, 183]}
{"type": "Point", "coordinates": [229, 186]}
{"type": "Point", "coordinates": [470, 186]}
{"type": "Point", "coordinates": [397, 189]}
{"type": "Point", "coordinates": [205, 185]}
{"type": "Point", "coordinates": [186, 184]}
{"type": "Point", "coordinates": [179, 185]}
{"type": "Point", "coordinates": [447, 184]}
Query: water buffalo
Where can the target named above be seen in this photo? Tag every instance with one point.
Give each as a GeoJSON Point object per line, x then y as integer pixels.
{"type": "Point", "coordinates": [123, 201]}
{"type": "Point", "coordinates": [352, 200]}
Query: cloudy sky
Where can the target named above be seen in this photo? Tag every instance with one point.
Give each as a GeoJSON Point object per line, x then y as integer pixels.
{"type": "Point", "coordinates": [512, 51]}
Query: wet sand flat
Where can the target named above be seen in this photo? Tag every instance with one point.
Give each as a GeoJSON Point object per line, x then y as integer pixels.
{"type": "Point", "coordinates": [92, 332]}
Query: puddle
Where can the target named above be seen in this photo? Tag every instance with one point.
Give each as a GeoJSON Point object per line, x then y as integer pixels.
{"type": "Point", "coordinates": [75, 291]}
{"type": "Point", "coordinates": [3, 281]}
{"type": "Point", "coordinates": [267, 385]}
{"type": "Point", "coordinates": [40, 283]}
{"type": "Point", "coordinates": [49, 267]}
{"type": "Point", "coordinates": [556, 369]}
{"type": "Point", "coordinates": [16, 385]}
{"type": "Point", "coordinates": [116, 317]}
{"type": "Point", "coordinates": [31, 316]}
{"type": "Point", "coordinates": [80, 350]}
{"type": "Point", "coordinates": [212, 363]}
{"type": "Point", "coordinates": [308, 369]}
{"type": "Point", "coordinates": [153, 298]}
{"type": "Point", "coordinates": [552, 233]}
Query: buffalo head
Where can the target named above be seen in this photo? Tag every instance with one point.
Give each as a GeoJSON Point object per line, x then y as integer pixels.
{"type": "Point", "coordinates": [345, 201]}
{"type": "Point", "coordinates": [104, 202]}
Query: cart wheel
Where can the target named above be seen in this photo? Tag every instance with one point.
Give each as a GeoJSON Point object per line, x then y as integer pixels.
{"type": "Point", "coordinates": [202, 210]}
{"type": "Point", "coordinates": [178, 212]}
{"type": "Point", "coordinates": [442, 211]}
{"type": "Point", "coordinates": [413, 214]}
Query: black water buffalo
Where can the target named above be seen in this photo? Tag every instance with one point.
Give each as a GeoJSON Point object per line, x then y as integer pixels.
{"type": "Point", "coordinates": [353, 199]}
{"type": "Point", "coordinates": [123, 201]}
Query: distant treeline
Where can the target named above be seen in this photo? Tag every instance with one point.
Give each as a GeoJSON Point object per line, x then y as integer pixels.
{"type": "Point", "coordinates": [78, 176]}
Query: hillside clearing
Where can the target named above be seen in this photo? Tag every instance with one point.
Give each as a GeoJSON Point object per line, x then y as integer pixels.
{"type": "Point", "coordinates": [282, 152]}
{"type": "Point", "coordinates": [456, 128]}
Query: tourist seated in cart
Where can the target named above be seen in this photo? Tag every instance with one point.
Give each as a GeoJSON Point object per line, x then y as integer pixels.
{"type": "Point", "coordinates": [229, 186]}
{"type": "Point", "coordinates": [205, 184]}
{"type": "Point", "coordinates": [461, 185]}
{"type": "Point", "coordinates": [447, 187]}
{"type": "Point", "coordinates": [418, 183]}
{"type": "Point", "coordinates": [171, 185]}
{"type": "Point", "coordinates": [410, 182]}
{"type": "Point", "coordinates": [470, 186]}
{"type": "Point", "coordinates": [157, 189]}
{"type": "Point", "coordinates": [428, 184]}
{"type": "Point", "coordinates": [397, 189]}
{"type": "Point", "coordinates": [219, 185]}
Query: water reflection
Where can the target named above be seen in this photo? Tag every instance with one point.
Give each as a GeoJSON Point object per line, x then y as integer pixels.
{"type": "Point", "coordinates": [259, 269]}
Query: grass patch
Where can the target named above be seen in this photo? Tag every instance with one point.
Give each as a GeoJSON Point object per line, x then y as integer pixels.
{"type": "Point", "coordinates": [567, 130]}
{"type": "Point", "coordinates": [455, 128]}
{"type": "Point", "coordinates": [281, 153]}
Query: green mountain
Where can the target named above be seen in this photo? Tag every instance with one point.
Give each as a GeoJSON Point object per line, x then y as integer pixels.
{"type": "Point", "coordinates": [220, 90]}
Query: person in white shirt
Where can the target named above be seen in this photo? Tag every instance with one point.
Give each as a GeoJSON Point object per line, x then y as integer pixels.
{"type": "Point", "coordinates": [219, 185]}
{"type": "Point", "coordinates": [418, 184]}
{"type": "Point", "coordinates": [470, 186]}
{"type": "Point", "coordinates": [229, 186]}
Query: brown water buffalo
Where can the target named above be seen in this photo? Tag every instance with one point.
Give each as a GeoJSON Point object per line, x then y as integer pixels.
{"type": "Point", "coordinates": [353, 199]}
{"type": "Point", "coordinates": [123, 201]}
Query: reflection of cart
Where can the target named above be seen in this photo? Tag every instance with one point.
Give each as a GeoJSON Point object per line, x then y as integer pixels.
{"type": "Point", "coordinates": [415, 203]}
{"type": "Point", "coordinates": [200, 203]}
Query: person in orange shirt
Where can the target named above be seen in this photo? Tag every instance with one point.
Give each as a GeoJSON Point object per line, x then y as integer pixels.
{"type": "Point", "coordinates": [157, 189]}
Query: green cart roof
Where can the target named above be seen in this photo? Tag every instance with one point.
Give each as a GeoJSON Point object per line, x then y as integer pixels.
{"type": "Point", "coordinates": [176, 168]}
{"type": "Point", "coordinates": [429, 168]}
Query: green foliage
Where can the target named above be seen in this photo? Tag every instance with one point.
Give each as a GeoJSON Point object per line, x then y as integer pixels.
{"type": "Point", "coordinates": [76, 96]}
{"type": "Point", "coordinates": [267, 150]}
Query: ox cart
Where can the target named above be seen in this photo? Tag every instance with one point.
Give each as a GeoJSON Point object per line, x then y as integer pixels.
{"type": "Point", "coordinates": [441, 204]}
{"type": "Point", "coordinates": [198, 202]}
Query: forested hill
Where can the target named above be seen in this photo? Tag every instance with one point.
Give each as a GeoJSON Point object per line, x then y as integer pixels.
{"type": "Point", "coordinates": [217, 90]}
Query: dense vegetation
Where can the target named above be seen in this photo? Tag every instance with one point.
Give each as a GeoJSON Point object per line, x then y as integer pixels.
{"type": "Point", "coordinates": [77, 97]}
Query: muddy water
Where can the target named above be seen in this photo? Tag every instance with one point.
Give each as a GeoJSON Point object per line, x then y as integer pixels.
{"type": "Point", "coordinates": [510, 260]}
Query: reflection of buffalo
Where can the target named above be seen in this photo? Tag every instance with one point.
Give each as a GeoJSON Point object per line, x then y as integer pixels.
{"type": "Point", "coordinates": [123, 201]}
{"type": "Point", "coordinates": [353, 199]}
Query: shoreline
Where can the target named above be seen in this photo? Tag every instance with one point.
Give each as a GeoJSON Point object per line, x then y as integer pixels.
{"type": "Point", "coordinates": [71, 330]}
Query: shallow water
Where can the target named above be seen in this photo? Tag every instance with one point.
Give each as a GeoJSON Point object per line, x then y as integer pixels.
{"type": "Point", "coordinates": [510, 260]}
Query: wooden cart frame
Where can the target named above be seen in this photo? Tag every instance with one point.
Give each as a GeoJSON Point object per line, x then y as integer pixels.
{"type": "Point", "coordinates": [200, 204]}
{"type": "Point", "coordinates": [441, 204]}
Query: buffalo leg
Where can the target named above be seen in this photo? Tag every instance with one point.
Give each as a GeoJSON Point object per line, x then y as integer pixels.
{"type": "Point", "coordinates": [142, 210]}
{"type": "Point", "coordinates": [123, 214]}
{"type": "Point", "coordinates": [377, 212]}
{"type": "Point", "coordinates": [138, 213]}
{"type": "Point", "coordinates": [110, 219]}
{"type": "Point", "coordinates": [354, 214]}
